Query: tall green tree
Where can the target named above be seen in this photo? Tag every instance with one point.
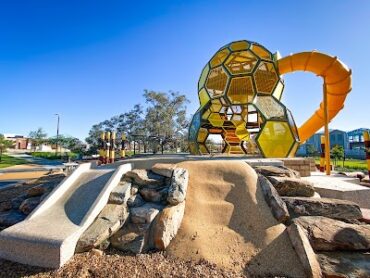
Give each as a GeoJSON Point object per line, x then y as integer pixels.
{"type": "Point", "coordinates": [37, 137]}
{"type": "Point", "coordinates": [4, 144]}
{"type": "Point", "coordinates": [68, 142]}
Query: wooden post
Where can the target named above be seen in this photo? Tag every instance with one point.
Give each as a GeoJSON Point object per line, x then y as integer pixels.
{"type": "Point", "coordinates": [123, 139]}
{"type": "Point", "coordinates": [107, 148]}
{"type": "Point", "coordinates": [367, 149]}
{"type": "Point", "coordinates": [102, 147]}
{"type": "Point", "coordinates": [112, 147]}
{"type": "Point", "coordinates": [327, 139]}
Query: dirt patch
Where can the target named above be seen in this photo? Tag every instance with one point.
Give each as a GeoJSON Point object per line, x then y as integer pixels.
{"type": "Point", "coordinates": [227, 222]}
{"type": "Point", "coordinates": [119, 264]}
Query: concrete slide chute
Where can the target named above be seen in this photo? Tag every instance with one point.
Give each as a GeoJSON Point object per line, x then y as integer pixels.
{"type": "Point", "coordinates": [337, 84]}
{"type": "Point", "coordinates": [48, 236]}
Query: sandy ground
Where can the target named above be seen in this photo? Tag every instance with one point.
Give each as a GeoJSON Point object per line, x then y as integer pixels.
{"type": "Point", "coordinates": [227, 222]}
{"type": "Point", "coordinates": [119, 264]}
{"type": "Point", "coordinates": [26, 174]}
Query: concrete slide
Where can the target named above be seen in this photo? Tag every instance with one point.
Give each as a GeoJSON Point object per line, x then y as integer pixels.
{"type": "Point", "coordinates": [48, 236]}
{"type": "Point", "coordinates": [337, 84]}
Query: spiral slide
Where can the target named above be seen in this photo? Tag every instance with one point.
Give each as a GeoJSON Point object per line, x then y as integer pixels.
{"type": "Point", "coordinates": [337, 84]}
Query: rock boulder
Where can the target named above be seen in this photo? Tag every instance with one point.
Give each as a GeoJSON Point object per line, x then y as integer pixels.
{"type": "Point", "coordinates": [178, 186]}
{"type": "Point", "coordinates": [287, 186]}
{"type": "Point", "coordinates": [276, 171]}
{"type": "Point", "coordinates": [143, 177]}
{"type": "Point", "coordinates": [163, 169]}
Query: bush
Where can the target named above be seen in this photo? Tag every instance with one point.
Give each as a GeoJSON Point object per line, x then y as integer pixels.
{"type": "Point", "coordinates": [54, 156]}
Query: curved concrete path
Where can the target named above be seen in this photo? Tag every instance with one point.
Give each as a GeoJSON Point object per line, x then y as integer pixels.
{"type": "Point", "coordinates": [49, 235]}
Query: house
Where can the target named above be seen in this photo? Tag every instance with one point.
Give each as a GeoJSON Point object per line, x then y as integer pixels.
{"type": "Point", "coordinates": [20, 142]}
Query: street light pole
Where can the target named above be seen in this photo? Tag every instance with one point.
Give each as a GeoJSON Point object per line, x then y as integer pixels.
{"type": "Point", "coordinates": [57, 144]}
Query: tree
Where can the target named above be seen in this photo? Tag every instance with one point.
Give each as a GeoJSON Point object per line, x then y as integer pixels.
{"type": "Point", "coordinates": [311, 150]}
{"type": "Point", "coordinates": [337, 152]}
{"type": "Point", "coordinates": [68, 142]}
{"type": "Point", "coordinates": [38, 137]}
{"type": "Point", "coordinates": [4, 144]}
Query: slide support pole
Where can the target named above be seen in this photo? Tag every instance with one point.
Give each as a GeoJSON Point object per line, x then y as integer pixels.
{"type": "Point", "coordinates": [327, 139]}
{"type": "Point", "coordinates": [322, 154]}
{"type": "Point", "coordinates": [367, 149]}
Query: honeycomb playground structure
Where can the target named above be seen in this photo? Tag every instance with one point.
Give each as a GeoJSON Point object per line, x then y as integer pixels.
{"type": "Point", "coordinates": [240, 91]}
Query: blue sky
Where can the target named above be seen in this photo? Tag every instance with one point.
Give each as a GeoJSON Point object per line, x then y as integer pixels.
{"type": "Point", "coordinates": [90, 60]}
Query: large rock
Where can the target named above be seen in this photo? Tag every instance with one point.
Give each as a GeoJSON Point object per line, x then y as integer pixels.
{"type": "Point", "coordinates": [276, 171]}
{"type": "Point", "coordinates": [274, 201]}
{"type": "Point", "coordinates": [166, 225]}
{"type": "Point", "coordinates": [144, 214]}
{"type": "Point", "coordinates": [5, 206]}
{"type": "Point", "coordinates": [153, 195]}
{"type": "Point", "coordinates": [326, 234]}
{"type": "Point", "coordinates": [292, 186]}
{"type": "Point", "coordinates": [120, 194]}
{"type": "Point", "coordinates": [17, 201]}
{"type": "Point", "coordinates": [135, 201]}
{"type": "Point", "coordinates": [10, 218]}
{"type": "Point", "coordinates": [39, 190]}
{"type": "Point", "coordinates": [144, 177]}
{"type": "Point", "coordinates": [332, 208]}
{"type": "Point", "coordinates": [345, 264]}
{"type": "Point", "coordinates": [178, 187]}
{"type": "Point", "coordinates": [29, 205]}
{"type": "Point", "coordinates": [109, 221]}
{"type": "Point", "coordinates": [304, 251]}
{"type": "Point", "coordinates": [164, 169]}
{"type": "Point", "coordinates": [132, 238]}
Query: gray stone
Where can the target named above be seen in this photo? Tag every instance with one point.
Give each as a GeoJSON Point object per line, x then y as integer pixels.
{"type": "Point", "coordinates": [292, 186]}
{"type": "Point", "coordinates": [274, 201]}
{"type": "Point", "coordinates": [135, 201]}
{"type": "Point", "coordinates": [144, 177]}
{"type": "Point", "coordinates": [164, 169]}
{"type": "Point", "coordinates": [304, 251]}
{"type": "Point", "coordinates": [5, 206]}
{"type": "Point", "coordinates": [276, 171]}
{"type": "Point", "coordinates": [178, 187]}
{"type": "Point", "coordinates": [132, 238]}
{"type": "Point", "coordinates": [332, 208]}
{"type": "Point", "coordinates": [345, 264]}
{"type": "Point", "coordinates": [326, 234]}
{"type": "Point", "coordinates": [166, 225]}
{"type": "Point", "coordinates": [10, 218]}
{"type": "Point", "coordinates": [144, 214]}
{"type": "Point", "coordinates": [109, 221]}
{"type": "Point", "coordinates": [29, 205]}
{"type": "Point", "coordinates": [153, 195]}
{"type": "Point", "coordinates": [120, 194]}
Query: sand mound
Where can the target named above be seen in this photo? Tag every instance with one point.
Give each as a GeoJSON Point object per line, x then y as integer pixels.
{"type": "Point", "coordinates": [227, 222]}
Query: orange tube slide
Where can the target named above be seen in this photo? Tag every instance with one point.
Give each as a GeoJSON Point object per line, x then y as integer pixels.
{"type": "Point", "coordinates": [337, 84]}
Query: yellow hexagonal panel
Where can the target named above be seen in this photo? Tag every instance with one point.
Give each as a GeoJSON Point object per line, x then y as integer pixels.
{"type": "Point", "coordinates": [241, 62]}
{"type": "Point", "coordinates": [261, 51]}
{"type": "Point", "coordinates": [265, 78]}
{"type": "Point", "coordinates": [242, 132]}
{"type": "Point", "coordinates": [275, 139]}
{"type": "Point", "coordinates": [202, 135]}
{"type": "Point", "coordinates": [216, 82]}
{"type": "Point", "coordinates": [270, 107]}
{"type": "Point", "coordinates": [216, 105]}
{"type": "Point", "coordinates": [219, 57]}
{"type": "Point", "coordinates": [216, 120]}
{"type": "Point", "coordinates": [203, 149]}
{"type": "Point", "coordinates": [240, 45]}
{"type": "Point", "coordinates": [206, 114]}
{"type": "Point", "coordinates": [240, 90]}
{"type": "Point", "coordinates": [193, 148]}
{"type": "Point", "coordinates": [234, 149]}
{"type": "Point", "coordinates": [203, 77]}
{"type": "Point", "coordinates": [203, 97]}
{"type": "Point", "coordinates": [278, 91]}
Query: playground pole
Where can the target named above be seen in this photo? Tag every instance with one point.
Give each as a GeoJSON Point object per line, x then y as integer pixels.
{"type": "Point", "coordinates": [107, 140]}
{"type": "Point", "coordinates": [123, 139]}
{"type": "Point", "coordinates": [112, 146]}
{"type": "Point", "coordinates": [322, 153]}
{"type": "Point", "coordinates": [367, 149]}
{"type": "Point", "coordinates": [327, 139]}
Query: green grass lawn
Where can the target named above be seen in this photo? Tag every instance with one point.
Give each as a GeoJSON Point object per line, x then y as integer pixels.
{"type": "Point", "coordinates": [7, 161]}
{"type": "Point", "coordinates": [349, 164]}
